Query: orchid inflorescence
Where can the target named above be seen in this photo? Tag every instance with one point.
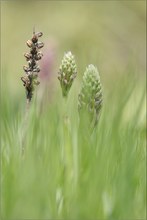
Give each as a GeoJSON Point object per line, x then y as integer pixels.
{"type": "Point", "coordinates": [32, 69]}
{"type": "Point", "coordinates": [90, 96]}
{"type": "Point", "coordinates": [67, 73]}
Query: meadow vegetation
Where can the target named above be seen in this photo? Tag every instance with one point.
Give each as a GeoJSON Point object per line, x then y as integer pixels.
{"type": "Point", "coordinates": [67, 171]}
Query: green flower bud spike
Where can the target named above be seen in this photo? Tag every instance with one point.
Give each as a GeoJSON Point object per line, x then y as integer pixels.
{"type": "Point", "coordinates": [67, 73]}
{"type": "Point", "coordinates": [90, 97]}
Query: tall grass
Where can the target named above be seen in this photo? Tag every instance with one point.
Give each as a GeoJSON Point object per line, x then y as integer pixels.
{"type": "Point", "coordinates": [106, 179]}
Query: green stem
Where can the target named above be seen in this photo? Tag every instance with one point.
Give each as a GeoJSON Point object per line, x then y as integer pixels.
{"type": "Point", "coordinates": [67, 156]}
{"type": "Point", "coordinates": [25, 125]}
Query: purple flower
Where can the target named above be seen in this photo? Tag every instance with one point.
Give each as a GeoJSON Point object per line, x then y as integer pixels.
{"type": "Point", "coordinates": [47, 62]}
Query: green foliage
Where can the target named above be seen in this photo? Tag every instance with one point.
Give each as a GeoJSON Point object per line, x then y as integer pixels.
{"type": "Point", "coordinates": [106, 179]}
{"type": "Point", "coordinates": [107, 170]}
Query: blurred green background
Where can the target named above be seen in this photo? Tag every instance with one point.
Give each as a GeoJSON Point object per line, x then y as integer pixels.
{"type": "Point", "coordinates": [109, 179]}
{"type": "Point", "coordinates": [109, 34]}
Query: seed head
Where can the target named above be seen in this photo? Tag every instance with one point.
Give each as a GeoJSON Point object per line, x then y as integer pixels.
{"type": "Point", "coordinates": [31, 70]}
{"type": "Point", "coordinates": [67, 73]}
{"type": "Point", "coordinates": [90, 97]}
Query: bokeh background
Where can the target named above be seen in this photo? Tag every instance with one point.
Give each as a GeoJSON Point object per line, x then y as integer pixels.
{"type": "Point", "coordinates": [112, 36]}
{"type": "Point", "coordinates": [109, 34]}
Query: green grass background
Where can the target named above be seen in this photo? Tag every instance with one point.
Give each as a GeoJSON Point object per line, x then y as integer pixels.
{"type": "Point", "coordinates": [65, 173]}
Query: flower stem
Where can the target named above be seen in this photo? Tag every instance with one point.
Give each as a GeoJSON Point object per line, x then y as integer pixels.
{"type": "Point", "coordinates": [67, 157]}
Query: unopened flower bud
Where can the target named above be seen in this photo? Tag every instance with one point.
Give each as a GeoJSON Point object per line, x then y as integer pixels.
{"type": "Point", "coordinates": [28, 56]}
{"type": "Point", "coordinates": [67, 73]}
{"type": "Point", "coordinates": [26, 68]}
{"type": "Point", "coordinates": [38, 56]}
{"type": "Point", "coordinates": [90, 97]}
{"type": "Point", "coordinates": [39, 34]}
{"type": "Point", "coordinates": [33, 51]}
{"type": "Point", "coordinates": [40, 45]}
{"type": "Point", "coordinates": [25, 80]}
{"type": "Point", "coordinates": [29, 43]}
{"type": "Point", "coordinates": [34, 39]}
{"type": "Point", "coordinates": [37, 69]}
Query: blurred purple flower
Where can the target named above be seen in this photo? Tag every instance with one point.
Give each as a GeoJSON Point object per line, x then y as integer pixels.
{"type": "Point", "coordinates": [47, 62]}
